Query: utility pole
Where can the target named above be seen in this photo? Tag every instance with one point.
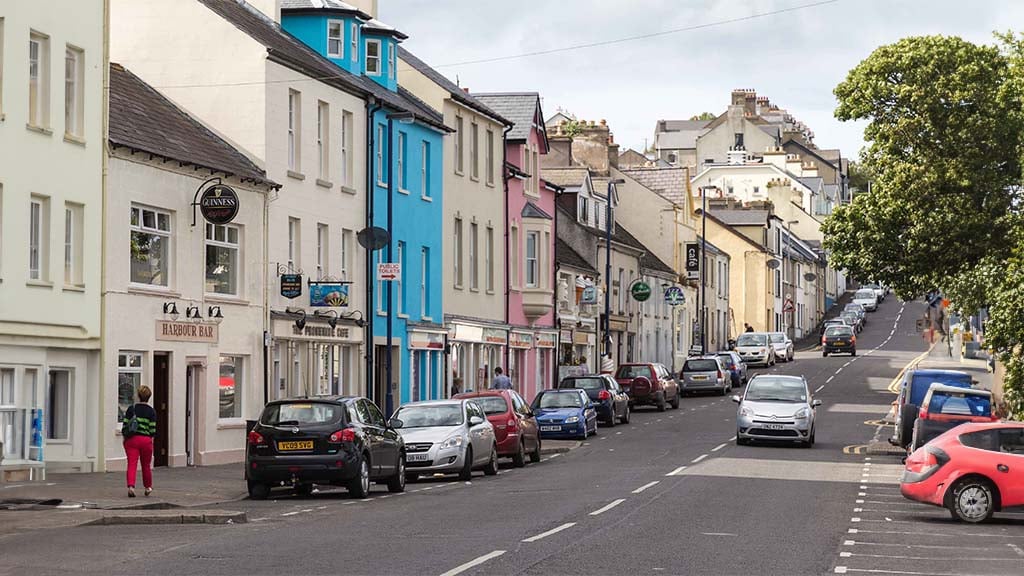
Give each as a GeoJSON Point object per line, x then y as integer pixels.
{"type": "Point", "coordinates": [404, 118]}
{"type": "Point", "coordinates": [608, 265]}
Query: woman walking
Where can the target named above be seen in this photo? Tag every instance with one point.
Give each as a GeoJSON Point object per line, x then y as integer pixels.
{"type": "Point", "coordinates": [138, 430]}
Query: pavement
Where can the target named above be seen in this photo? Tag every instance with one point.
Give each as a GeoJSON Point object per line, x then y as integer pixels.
{"type": "Point", "coordinates": [669, 493]}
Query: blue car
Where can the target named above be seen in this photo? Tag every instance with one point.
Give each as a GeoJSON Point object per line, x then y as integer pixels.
{"type": "Point", "coordinates": [912, 390]}
{"type": "Point", "coordinates": [565, 414]}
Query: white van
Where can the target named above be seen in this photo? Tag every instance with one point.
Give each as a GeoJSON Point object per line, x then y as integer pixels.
{"type": "Point", "coordinates": [867, 298]}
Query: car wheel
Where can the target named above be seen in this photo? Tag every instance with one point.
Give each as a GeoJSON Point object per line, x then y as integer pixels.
{"type": "Point", "coordinates": [258, 491]}
{"type": "Point", "coordinates": [359, 487]}
{"type": "Point", "coordinates": [467, 467]}
{"type": "Point", "coordinates": [535, 455]}
{"type": "Point", "coordinates": [492, 465]}
{"type": "Point", "coordinates": [740, 441]}
{"type": "Point", "coordinates": [411, 476]}
{"type": "Point", "coordinates": [611, 418]}
{"type": "Point", "coordinates": [675, 401]}
{"type": "Point", "coordinates": [625, 415]}
{"type": "Point", "coordinates": [661, 403]}
{"type": "Point", "coordinates": [303, 490]}
{"type": "Point", "coordinates": [972, 500]}
{"type": "Point", "coordinates": [519, 457]}
{"type": "Point", "coordinates": [397, 482]}
{"type": "Point", "coordinates": [824, 353]}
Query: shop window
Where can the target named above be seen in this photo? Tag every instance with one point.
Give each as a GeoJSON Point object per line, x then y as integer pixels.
{"type": "Point", "coordinates": [222, 261]}
{"type": "Point", "coordinates": [58, 396]}
{"type": "Point", "coordinates": [150, 246]}
{"type": "Point", "coordinates": [129, 378]}
{"type": "Point", "coordinates": [230, 386]}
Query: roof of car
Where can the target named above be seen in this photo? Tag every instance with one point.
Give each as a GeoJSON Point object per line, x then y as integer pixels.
{"type": "Point", "coordinates": [937, 387]}
{"type": "Point", "coordinates": [479, 393]}
{"type": "Point", "coordinates": [441, 402]}
{"type": "Point", "coordinates": [976, 426]}
{"type": "Point", "coordinates": [324, 398]}
{"type": "Point", "coordinates": [937, 372]}
{"type": "Point", "coordinates": [778, 377]}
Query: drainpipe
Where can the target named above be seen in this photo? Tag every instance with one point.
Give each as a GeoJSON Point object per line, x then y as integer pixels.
{"type": "Point", "coordinates": [508, 268]}
{"type": "Point", "coordinates": [371, 109]}
{"type": "Point", "coordinates": [101, 429]}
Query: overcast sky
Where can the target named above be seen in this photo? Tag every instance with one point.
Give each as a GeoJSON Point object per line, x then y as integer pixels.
{"type": "Point", "coordinates": [795, 59]}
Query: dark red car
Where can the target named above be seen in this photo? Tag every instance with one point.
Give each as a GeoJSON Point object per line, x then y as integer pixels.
{"type": "Point", "coordinates": [648, 383]}
{"type": "Point", "coordinates": [973, 470]}
{"type": "Point", "coordinates": [515, 427]}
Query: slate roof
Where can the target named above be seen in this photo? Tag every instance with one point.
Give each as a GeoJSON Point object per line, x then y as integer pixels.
{"type": "Point", "coordinates": [457, 93]}
{"type": "Point", "coordinates": [813, 152]}
{"type": "Point", "coordinates": [144, 120]}
{"type": "Point", "coordinates": [813, 182]}
{"type": "Point", "coordinates": [565, 177]}
{"type": "Point", "coordinates": [565, 255]}
{"type": "Point", "coordinates": [289, 51]}
{"type": "Point", "coordinates": [741, 217]}
{"type": "Point", "coordinates": [376, 26]}
{"type": "Point", "coordinates": [668, 182]}
{"type": "Point", "coordinates": [327, 5]}
{"type": "Point", "coordinates": [531, 210]}
{"type": "Point", "coordinates": [519, 107]}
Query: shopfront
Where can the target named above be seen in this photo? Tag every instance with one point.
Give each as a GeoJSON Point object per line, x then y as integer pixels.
{"type": "Point", "coordinates": [475, 351]}
{"type": "Point", "coordinates": [576, 352]}
{"type": "Point", "coordinates": [426, 362]}
{"type": "Point", "coordinates": [545, 345]}
{"type": "Point", "coordinates": [520, 346]}
{"type": "Point", "coordinates": [309, 356]}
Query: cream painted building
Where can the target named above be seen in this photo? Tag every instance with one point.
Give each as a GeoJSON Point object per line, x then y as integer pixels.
{"type": "Point", "coordinates": [185, 305]}
{"type": "Point", "coordinates": [52, 66]}
{"type": "Point", "coordinates": [475, 213]}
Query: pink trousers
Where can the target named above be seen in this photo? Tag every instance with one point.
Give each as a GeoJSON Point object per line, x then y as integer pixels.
{"type": "Point", "coordinates": [140, 447]}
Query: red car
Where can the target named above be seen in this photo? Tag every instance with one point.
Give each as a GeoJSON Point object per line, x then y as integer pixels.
{"type": "Point", "coordinates": [974, 470]}
{"type": "Point", "coordinates": [648, 383]}
{"type": "Point", "coordinates": [515, 427]}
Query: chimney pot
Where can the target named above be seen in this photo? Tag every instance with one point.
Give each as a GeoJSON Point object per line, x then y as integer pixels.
{"type": "Point", "coordinates": [466, 90]}
{"type": "Point", "coordinates": [604, 122]}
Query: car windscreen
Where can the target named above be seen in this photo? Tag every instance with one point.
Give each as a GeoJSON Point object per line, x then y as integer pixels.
{"type": "Point", "coordinates": [965, 404]}
{"type": "Point", "coordinates": [560, 400]}
{"type": "Point", "coordinates": [776, 390]}
{"type": "Point", "coordinates": [582, 383]}
{"type": "Point", "coordinates": [854, 306]}
{"type": "Point", "coordinates": [748, 339]}
{"type": "Point", "coordinates": [838, 331]}
{"type": "Point", "coordinates": [426, 416]}
{"type": "Point", "coordinates": [634, 372]}
{"type": "Point", "coordinates": [778, 338]}
{"type": "Point", "coordinates": [298, 413]}
{"type": "Point", "coordinates": [864, 295]}
{"type": "Point", "coordinates": [700, 366]}
{"type": "Point", "coordinates": [492, 404]}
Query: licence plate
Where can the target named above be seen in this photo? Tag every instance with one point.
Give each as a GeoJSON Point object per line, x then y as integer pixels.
{"type": "Point", "coordinates": [839, 343]}
{"type": "Point", "coordinates": [417, 457]}
{"type": "Point", "coordinates": [550, 428]}
{"type": "Point", "coordinates": [774, 426]}
{"type": "Point", "coordinates": [295, 445]}
{"type": "Point", "coordinates": [699, 377]}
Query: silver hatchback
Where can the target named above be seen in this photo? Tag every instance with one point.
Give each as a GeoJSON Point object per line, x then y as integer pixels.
{"type": "Point", "coordinates": [775, 407]}
{"type": "Point", "coordinates": [703, 373]}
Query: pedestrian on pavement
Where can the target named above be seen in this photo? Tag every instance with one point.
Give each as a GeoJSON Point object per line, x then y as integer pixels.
{"type": "Point", "coordinates": [501, 382]}
{"type": "Point", "coordinates": [138, 429]}
{"type": "Point", "coordinates": [747, 327]}
{"type": "Point", "coordinates": [456, 386]}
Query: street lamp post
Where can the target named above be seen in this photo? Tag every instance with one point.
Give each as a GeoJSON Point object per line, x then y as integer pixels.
{"type": "Point", "coordinates": [404, 118]}
{"type": "Point", "coordinates": [608, 265]}
{"type": "Point", "coordinates": [701, 296]}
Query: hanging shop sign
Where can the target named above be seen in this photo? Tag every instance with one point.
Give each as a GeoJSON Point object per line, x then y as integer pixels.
{"type": "Point", "coordinates": [328, 295]}
{"type": "Point", "coordinates": [674, 296]}
{"type": "Point", "coordinates": [640, 291]}
{"type": "Point", "coordinates": [426, 340]}
{"type": "Point", "coordinates": [174, 331]}
{"type": "Point", "coordinates": [495, 336]}
{"type": "Point", "coordinates": [520, 340]}
{"type": "Point", "coordinates": [589, 295]}
{"type": "Point", "coordinates": [546, 339]}
{"type": "Point", "coordinates": [217, 202]}
{"type": "Point", "coordinates": [291, 285]}
{"type": "Point", "coordinates": [692, 260]}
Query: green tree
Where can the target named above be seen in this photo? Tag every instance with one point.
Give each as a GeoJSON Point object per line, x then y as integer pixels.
{"type": "Point", "coordinates": [944, 154]}
{"type": "Point", "coordinates": [859, 177]}
{"type": "Point", "coordinates": [704, 116]}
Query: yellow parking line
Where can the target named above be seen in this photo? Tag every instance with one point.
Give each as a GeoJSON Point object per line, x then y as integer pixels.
{"type": "Point", "coordinates": [894, 386]}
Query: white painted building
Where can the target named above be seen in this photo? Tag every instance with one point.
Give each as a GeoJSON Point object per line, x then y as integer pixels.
{"type": "Point", "coordinates": [52, 66]}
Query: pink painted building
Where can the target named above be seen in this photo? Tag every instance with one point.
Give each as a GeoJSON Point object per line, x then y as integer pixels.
{"type": "Point", "coordinates": [531, 360]}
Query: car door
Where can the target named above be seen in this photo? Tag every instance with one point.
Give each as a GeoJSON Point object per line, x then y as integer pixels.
{"type": "Point", "coordinates": [527, 421]}
{"type": "Point", "coordinates": [389, 441]}
{"type": "Point", "coordinates": [1009, 466]}
{"type": "Point", "coordinates": [589, 409]}
{"type": "Point", "coordinates": [481, 435]}
{"type": "Point", "coordinates": [613, 388]}
{"type": "Point", "coordinates": [374, 435]}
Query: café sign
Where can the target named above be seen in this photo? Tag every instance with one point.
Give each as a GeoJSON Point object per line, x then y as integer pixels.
{"type": "Point", "coordinates": [174, 331]}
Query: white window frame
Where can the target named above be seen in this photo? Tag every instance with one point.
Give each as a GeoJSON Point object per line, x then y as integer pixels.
{"type": "Point", "coordinates": [37, 238]}
{"type": "Point", "coordinates": [39, 81]}
{"type": "Point", "coordinates": [514, 256]}
{"type": "Point", "coordinates": [339, 38]}
{"type": "Point", "coordinates": [489, 158]}
{"type": "Point", "coordinates": [73, 91]}
{"type": "Point", "coordinates": [399, 296]}
{"type": "Point", "coordinates": [346, 148]}
{"type": "Point", "coordinates": [353, 46]}
{"type": "Point", "coordinates": [380, 156]}
{"type": "Point", "coordinates": [346, 253]}
{"type": "Point", "coordinates": [474, 268]}
{"type": "Point", "coordinates": [425, 170]}
{"type": "Point", "coordinates": [459, 125]}
{"type": "Point", "coordinates": [457, 254]}
{"type": "Point", "coordinates": [474, 150]}
{"type": "Point", "coordinates": [391, 61]}
{"type": "Point", "coordinates": [294, 247]}
{"type": "Point", "coordinates": [532, 261]}
{"type": "Point", "coordinates": [424, 279]}
{"type": "Point", "coordinates": [376, 60]}
{"type": "Point", "coordinates": [294, 131]}
{"type": "Point", "coordinates": [74, 219]}
{"type": "Point", "coordinates": [227, 244]}
{"type": "Point", "coordinates": [126, 366]}
{"type": "Point", "coordinates": [323, 139]}
{"type": "Point", "coordinates": [489, 257]}
{"type": "Point", "coordinates": [168, 236]}
{"type": "Point", "coordinates": [323, 241]}
{"type": "Point", "coordinates": [401, 163]}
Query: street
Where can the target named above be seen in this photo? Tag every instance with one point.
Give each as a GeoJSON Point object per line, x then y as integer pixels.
{"type": "Point", "coordinates": [669, 493]}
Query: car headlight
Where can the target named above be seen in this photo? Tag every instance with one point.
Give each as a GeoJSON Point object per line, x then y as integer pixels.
{"type": "Point", "coordinates": [802, 413]}
{"type": "Point", "coordinates": [453, 442]}
{"type": "Point", "coordinates": [572, 419]}
{"type": "Point", "coordinates": [744, 411]}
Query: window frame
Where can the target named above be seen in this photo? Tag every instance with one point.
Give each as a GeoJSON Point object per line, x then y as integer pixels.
{"type": "Point", "coordinates": [514, 260]}
{"type": "Point", "coordinates": [74, 220]}
{"type": "Point", "coordinates": [238, 392]}
{"type": "Point", "coordinates": [459, 142]}
{"type": "Point", "coordinates": [489, 158]}
{"type": "Point", "coordinates": [225, 244]}
{"type": "Point", "coordinates": [39, 107]}
{"type": "Point", "coordinates": [294, 131]}
{"type": "Point", "coordinates": [346, 252]}
{"type": "Point", "coordinates": [51, 410]}
{"type": "Point", "coordinates": [323, 139]}
{"type": "Point", "coordinates": [424, 283]}
{"type": "Point", "coordinates": [474, 150]}
{"type": "Point", "coordinates": [323, 241]}
{"type": "Point", "coordinates": [168, 235]}
{"type": "Point", "coordinates": [532, 263]}
{"type": "Point", "coordinates": [425, 170]}
{"type": "Point", "coordinates": [38, 247]}
{"type": "Point", "coordinates": [391, 61]}
{"type": "Point", "coordinates": [127, 367]}
{"type": "Point", "coordinates": [380, 155]}
{"type": "Point", "coordinates": [401, 156]}
{"type": "Point", "coordinates": [354, 42]}
{"type": "Point", "coordinates": [346, 148]}
{"type": "Point", "coordinates": [340, 38]}
{"type": "Point", "coordinates": [489, 257]}
{"type": "Point", "coordinates": [457, 238]}
{"type": "Point", "coordinates": [294, 243]}
{"type": "Point", "coordinates": [375, 59]}
{"type": "Point", "coordinates": [474, 253]}
{"type": "Point", "coordinates": [74, 92]}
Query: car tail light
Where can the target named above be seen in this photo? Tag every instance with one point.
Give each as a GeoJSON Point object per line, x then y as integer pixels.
{"type": "Point", "coordinates": [922, 413]}
{"type": "Point", "coordinates": [923, 463]}
{"type": "Point", "coordinates": [720, 375]}
{"type": "Point", "coordinates": [255, 438]}
{"type": "Point", "coordinates": [823, 340]}
{"type": "Point", "coordinates": [603, 395]}
{"type": "Point", "coordinates": [853, 339]}
{"type": "Point", "coordinates": [343, 435]}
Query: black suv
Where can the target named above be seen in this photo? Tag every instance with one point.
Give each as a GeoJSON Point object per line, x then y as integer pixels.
{"type": "Point", "coordinates": [343, 441]}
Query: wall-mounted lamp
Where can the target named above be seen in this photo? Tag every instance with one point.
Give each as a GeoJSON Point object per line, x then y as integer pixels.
{"type": "Point", "coordinates": [300, 323]}
{"type": "Point", "coordinates": [331, 315]}
{"type": "Point", "coordinates": [192, 313]}
{"type": "Point", "coordinates": [171, 310]}
{"type": "Point", "coordinates": [213, 313]}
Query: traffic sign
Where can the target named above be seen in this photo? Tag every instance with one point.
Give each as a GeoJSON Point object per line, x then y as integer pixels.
{"type": "Point", "coordinates": [788, 306]}
{"type": "Point", "coordinates": [389, 271]}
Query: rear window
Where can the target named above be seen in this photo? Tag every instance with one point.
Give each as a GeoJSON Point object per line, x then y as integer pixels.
{"type": "Point", "coordinates": [700, 366]}
{"type": "Point", "coordinates": [960, 404]}
{"type": "Point", "coordinates": [982, 439]}
{"type": "Point", "coordinates": [582, 383]}
{"type": "Point", "coordinates": [727, 359]}
{"type": "Point", "coordinates": [778, 338]}
{"type": "Point", "coordinates": [748, 339]}
{"type": "Point", "coordinates": [492, 404]}
{"type": "Point", "coordinates": [865, 295]}
{"type": "Point", "coordinates": [634, 372]}
{"type": "Point", "coordinates": [838, 331]}
{"type": "Point", "coordinates": [298, 413]}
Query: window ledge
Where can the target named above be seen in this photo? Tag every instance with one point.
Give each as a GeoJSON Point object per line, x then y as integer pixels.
{"type": "Point", "coordinates": [474, 290]}
{"type": "Point", "coordinates": [403, 191]}
{"type": "Point", "coordinates": [296, 175]}
{"type": "Point", "coordinates": [426, 319]}
{"type": "Point", "coordinates": [348, 190]}
{"type": "Point", "coordinates": [226, 299]}
{"type": "Point", "coordinates": [230, 424]}
{"type": "Point", "coordinates": [490, 292]}
{"type": "Point", "coordinates": [426, 198]}
{"type": "Point", "coordinates": [61, 442]}
{"type": "Point", "coordinates": [39, 283]}
{"type": "Point", "coordinates": [74, 288]}
{"type": "Point", "coordinates": [152, 291]}
{"type": "Point", "coordinates": [489, 184]}
{"type": "Point", "coordinates": [383, 185]}
{"type": "Point", "coordinates": [72, 139]}
{"type": "Point", "coordinates": [381, 313]}
{"type": "Point", "coordinates": [458, 286]}
{"type": "Point", "coordinates": [401, 315]}
{"type": "Point", "coordinates": [459, 172]}
{"type": "Point", "coordinates": [39, 129]}
{"type": "Point", "coordinates": [474, 178]}
{"type": "Point", "coordinates": [324, 183]}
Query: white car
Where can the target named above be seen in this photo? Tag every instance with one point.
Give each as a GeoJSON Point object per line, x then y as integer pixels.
{"type": "Point", "coordinates": [879, 290]}
{"type": "Point", "coordinates": [756, 348]}
{"type": "Point", "coordinates": [783, 346]}
{"type": "Point", "coordinates": [447, 436]}
{"type": "Point", "coordinates": [867, 298]}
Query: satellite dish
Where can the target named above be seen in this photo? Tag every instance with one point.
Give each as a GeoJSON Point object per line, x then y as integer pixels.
{"type": "Point", "coordinates": [773, 264]}
{"type": "Point", "coordinates": [373, 238]}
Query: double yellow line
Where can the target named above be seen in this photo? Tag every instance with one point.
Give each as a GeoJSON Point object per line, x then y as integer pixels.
{"type": "Point", "coordinates": [894, 386]}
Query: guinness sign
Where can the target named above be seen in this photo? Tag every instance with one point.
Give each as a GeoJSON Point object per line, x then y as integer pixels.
{"type": "Point", "coordinates": [219, 204]}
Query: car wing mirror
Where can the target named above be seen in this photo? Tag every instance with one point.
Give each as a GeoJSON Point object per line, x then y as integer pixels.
{"type": "Point", "coordinates": [735, 398]}
{"type": "Point", "coordinates": [815, 403]}
{"type": "Point", "coordinates": [475, 420]}
{"type": "Point", "coordinates": [395, 423]}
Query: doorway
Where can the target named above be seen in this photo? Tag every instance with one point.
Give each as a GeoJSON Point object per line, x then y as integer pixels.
{"type": "Point", "coordinates": [192, 379]}
{"type": "Point", "coordinates": [161, 383]}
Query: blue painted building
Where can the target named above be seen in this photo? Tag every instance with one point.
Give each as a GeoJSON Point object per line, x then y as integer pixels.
{"type": "Point", "coordinates": [367, 48]}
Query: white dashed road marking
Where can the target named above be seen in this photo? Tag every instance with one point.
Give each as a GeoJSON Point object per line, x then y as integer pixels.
{"type": "Point", "coordinates": [699, 458]}
{"type": "Point", "coordinates": [565, 526]}
{"type": "Point", "coordinates": [474, 562]}
{"type": "Point", "coordinates": [676, 472]}
{"type": "Point", "coordinates": [645, 487]}
{"type": "Point", "coordinates": [608, 507]}
{"type": "Point", "coordinates": [719, 447]}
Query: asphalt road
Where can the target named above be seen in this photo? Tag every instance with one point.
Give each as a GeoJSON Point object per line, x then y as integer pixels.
{"type": "Point", "coordinates": [670, 493]}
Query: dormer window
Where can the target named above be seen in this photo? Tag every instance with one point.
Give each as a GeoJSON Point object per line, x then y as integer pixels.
{"type": "Point", "coordinates": [335, 39]}
{"type": "Point", "coordinates": [373, 57]}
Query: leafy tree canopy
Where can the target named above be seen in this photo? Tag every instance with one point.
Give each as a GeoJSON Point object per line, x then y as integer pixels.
{"type": "Point", "coordinates": [704, 116]}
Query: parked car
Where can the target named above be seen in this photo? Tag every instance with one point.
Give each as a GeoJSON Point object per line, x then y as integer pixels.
{"type": "Point", "coordinates": [833, 322]}
{"type": "Point", "coordinates": [648, 383]}
{"type": "Point", "coordinates": [879, 291]}
{"type": "Point", "coordinates": [737, 368]}
{"type": "Point", "coordinates": [858, 309]}
{"type": "Point", "coordinates": [610, 401]}
{"type": "Point", "coordinates": [839, 339]}
{"type": "Point", "coordinates": [515, 426]}
{"type": "Point", "coordinates": [783, 346]}
{"type": "Point", "coordinates": [342, 441]}
{"type": "Point", "coordinates": [565, 414]}
{"type": "Point", "coordinates": [776, 407]}
{"type": "Point", "coordinates": [912, 389]}
{"type": "Point", "coordinates": [867, 298]}
{"type": "Point", "coordinates": [703, 373]}
{"type": "Point", "coordinates": [446, 436]}
{"type": "Point", "coordinates": [853, 319]}
{"type": "Point", "coordinates": [974, 470]}
{"type": "Point", "coordinates": [946, 407]}
{"type": "Point", "coordinates": [755, 348]}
